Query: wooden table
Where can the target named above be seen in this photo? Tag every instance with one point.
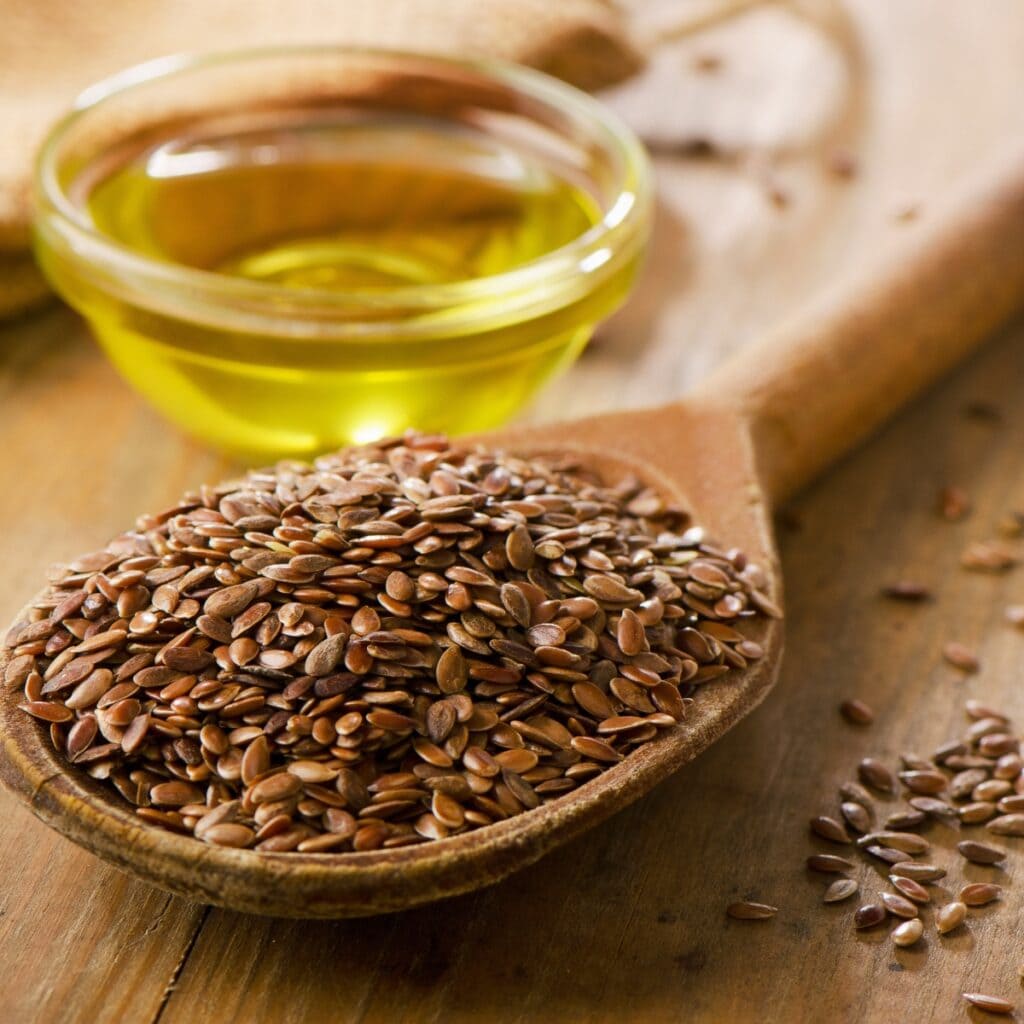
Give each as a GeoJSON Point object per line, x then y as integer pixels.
{"type": "Point", "coordinates": [626, 924]}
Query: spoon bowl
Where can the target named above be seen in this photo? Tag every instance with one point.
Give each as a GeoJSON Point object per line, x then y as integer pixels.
{"type": "Point", "coordinates": [749, 437]}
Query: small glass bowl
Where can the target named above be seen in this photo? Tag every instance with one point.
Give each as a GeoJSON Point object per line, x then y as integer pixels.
{"type": "Point", "coordinates": [261, 369]}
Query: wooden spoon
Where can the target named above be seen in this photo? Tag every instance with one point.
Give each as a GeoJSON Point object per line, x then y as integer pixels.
{"type": "Point", "coordinates": [747, 438]}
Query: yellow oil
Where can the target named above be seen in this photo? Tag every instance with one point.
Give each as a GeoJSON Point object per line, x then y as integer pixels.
{"type": "Point", "coordinates": [346, 207]}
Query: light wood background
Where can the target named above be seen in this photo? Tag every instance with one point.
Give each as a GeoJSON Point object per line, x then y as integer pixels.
{"type": "Point", "coordinates": [627, 923]}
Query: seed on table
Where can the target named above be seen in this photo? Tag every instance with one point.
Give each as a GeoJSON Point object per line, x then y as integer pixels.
{"type": "Point", "coordinates": [982, 727]}
{"type": "Point", "coordinates": [857, 712]}
{"type": "Point", "coordinates": [977, 812]}
{"type": "Point", "coordinates": [906, 590]}
{"type": "Point", "coordinates": [898, 906]}
{"type": "Point", "coordinates": [1011, 804]}
{"type": "Point", "coordinates": [962, 784]}
{"type": "Point", "coordinates": [991, 790]}
{"type": "Point", "coordinates": [933, 807]}
{"type": "Point", "coordinates": [875, 774]}
{"type": "Point", "coordinates": [998, 745]}
{"type": "Point", "coordinates": [951, 748]}
{"type": "Point", "coordinates": [918, 872]}
{"type": "Point", "coordinates": [1007, 825]}
{"type": "Point", "coordinates": [870, 915]}
{"type": "Point", "coordinates": [856, 815]}
{"type": "Point", "coordinates": [900, 821]}
{"type": "Point", "coordinates": [890, 856]}
{"type": "Point", "coordinates": [747, 911]}
{"type": "Point", "coordinates": [914, 762]}
{"type": "Point", "coordinates": [854, 792]}
{"type": "Point", "coordinates": [960, 656]}
{"type": "Point", "coordinates": [829, 863]}
{"type": "Point", "coordinates": [908, 933]}
{"type": "Point", "coordinates": [840, 889]}
{"type": "Point", "coordinates": [1008, 767]}
{"type": "Point", "coordinates": [954, 503]}
{"type": "Point", "coordinates": [977, 894]}
{"type": "Point", "coordinates": [926, 783]}
{"type": "Point", "coordinates": [908, 842]}
{"type": "Point", "coordinates": [829, 828]}
{"type": "Point", "coordinates": [991, 1004]}
{"type": "Point", "coordinates": [979, 709]}
{"type": "Point", "coordinates": [951, 916]}
{"type": "Point", "coordinates": [988, 556]}
{"type": "Point", "coordinates": [979, 853]}
{"type": "Point", "coordinates": [911, 889]}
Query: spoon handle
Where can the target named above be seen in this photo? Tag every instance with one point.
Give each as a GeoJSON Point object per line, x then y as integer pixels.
{"type": "Point", "coordinates": [828, 378]}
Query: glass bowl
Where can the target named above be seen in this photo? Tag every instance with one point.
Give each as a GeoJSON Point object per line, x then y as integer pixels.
{"type": "Point", "coordinates": [277, 366]}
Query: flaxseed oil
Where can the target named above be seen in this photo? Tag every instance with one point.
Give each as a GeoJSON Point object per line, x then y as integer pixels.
{"type": "Point", "coordinates": [362, 210]}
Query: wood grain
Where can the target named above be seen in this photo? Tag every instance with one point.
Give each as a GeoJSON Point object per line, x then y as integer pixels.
{"type": "Point", "coordinates": [626, 923]}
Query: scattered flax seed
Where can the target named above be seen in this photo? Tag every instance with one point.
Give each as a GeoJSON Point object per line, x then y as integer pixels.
{"type": "Point", "coordinates": [856, 793]}
{"type": "Point", "coordinates": [908, 933]}
{"type": "Point", "coordinates": [977, 812]}
{"type": "Point", "coordinates": [983, 411]}
{"type": "Point", "coordinates": [907, 212]}
{"type": "Point", "coordinates": [1011, 525]}
{"type": "Point", "coordinates": [707, 63]}
{"type": "Point", "coordinates": [954, 504]}
{"type": "Point", "coordinates": [875, 774]}
{"type": "Point", "coordinates": [908, 842]}
{"type": "Point", "coordinates": [777, 195]}
{"type": "Point", "coordinates": [857, 816]}
{"type": "Point", "coordinates": [991, 1004]}
{"type": "Point", "coordinates": [856, 712]}
{"type": "Point", "coordinates": [950, 917]}
{"type": "Point", "coordinates": [918, 872]}
{"type": "Point", "coordinates": [900, 821]}
{"type": "Point", "coordinates": [933, 807]}
{"type": "Point", "coordinates": [829, 863]}
{"type": "Point", "coordinates": [397, 643]}
{"type": "Point", "coordinates": [980, 853]}
{"type": "Point", "coordinates": [926, 782]}
{"type": "Point", "coordinates": [988, 556]}
{"type": "Point", "coordinates": [841, 889]}
{"type": "Point", "coordinates": [842, 163]}
{"type": "Point", "coordinates": [907, 590]}
{"type": "Point", "coordinates": [977, 894]}
{"type": "Point", "coordinates": [887, 854]}
{"type": "Point", "coordinates": [977, 710]}
{"type": "Point", "coordinates": [747, 911]}
{"type": "Point", "coordinates": [898, 906]}
{"type": "Point", "coordinates": [829, 828]}
{"type": "Point", "coordinates": [910, 889]}
{"type": "Point", "coordinates": [1015, 615]}
{"type": "Point", "coordinates": [960, 656]}
{"type": "Point", "coordinates": [870, 915]}
{"type": "Point", "coordinates": [1007, 825]}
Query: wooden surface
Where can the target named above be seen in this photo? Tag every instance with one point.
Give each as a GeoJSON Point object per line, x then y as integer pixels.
{"type": "Point", "coordinates": [626, 923]}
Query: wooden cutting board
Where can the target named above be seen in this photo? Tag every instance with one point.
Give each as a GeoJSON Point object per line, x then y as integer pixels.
{"type": "Point", "coordinates": [628, 923]}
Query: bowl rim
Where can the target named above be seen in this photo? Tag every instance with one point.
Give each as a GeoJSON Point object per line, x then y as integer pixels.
{"type": "Point", "coordinates": [63, 225]}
